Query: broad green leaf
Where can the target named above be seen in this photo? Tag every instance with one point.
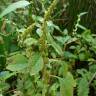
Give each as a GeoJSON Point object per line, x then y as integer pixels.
{"type": "Point", "coordinates": [63, 39]}
{"type": "Point", "coordinates": [53, 89]}
{"type": "Point", "coordinates": [5, 75]}
{"type": "Point", "coordinates": [1, 95]}
{"type": "Point", "coordinates": [68, 54]}
{"type": "Point", "coordinates": [30, 41]}
{"type": "Point", "coordinates": [65, 32]}
{"type": "Point", "coordinates": [83, 56]}
{"type": "Point", "coordinates": [63, 69]}
{"type": "Point", "coordinates": [36, 62]}
{"type": "Point", "coordinates": [3, 86]}
{"type": "Point", "coordinates": [56, 46]}
{"type": "Point", "coordinates": [83, 87]}
{"type": "Point", "coordinates": [92, 68]}
{"type": "Point", "coordinates": [17, 67]}
{"type": "Point", "coordinates": [17, 58]}
{"type": "Point", "coordinates": [86, 35]}
{"type": "Point", "coordinates": [17, 63]}
{"type": "Point", "coordinates": [37, 18]}
{"type": "Point", "coordinates": [39, 32]}
{"type": "Point", "coordinates": [85, 73]}
{"type": "Point", "coordinates": [14, 6]}
{"type": "Point", "coordinates": [52, 26]}
{"type": "Point", "coordinates": [66, 85]}
{"type": "Point", "coordinates": [71, 40]}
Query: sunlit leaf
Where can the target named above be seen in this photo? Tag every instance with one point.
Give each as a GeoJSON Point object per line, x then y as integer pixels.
{"type": "Point", "coordinates": [63, 39]}
{"type": "Point", "coordinates": [68, 54]}
{"type": "Point", "coordinates": [53, 89]}
{"type": "Point", "coordinates": [30, 41]}
{"type": "Point", "coordinates": [5, 75]}
{"type": "Point", "coordinates": [83, 87]}
{"type": "Point", "coordinates": [14, 6]}
{"type": "Point", "coordinates": [36, 62]}
{"type": "Point", "coordinates": [1, 95]}
{"type": "Point", "coordinates": [56, 46]}
{"type": "Point", "coordinates": [17, 63]}
{"type": "Point", "coordinates": [52, 26]}
{"type": "Point", "coordinates": [63, 69]}
{"type": "Point", "coordinates": [66, 85]}
{"type": "Point", "coordinates": [86, 35]}
{"type": "Point", "coordinates": [17, 67]}
{"type": "Point", "coordinates": [83, 56]}
{"type": "Point", "coordinates": [39, 32]}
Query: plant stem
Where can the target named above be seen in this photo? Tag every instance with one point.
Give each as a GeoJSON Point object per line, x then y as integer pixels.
{"type": "Point", "coordinates": [43, 47]}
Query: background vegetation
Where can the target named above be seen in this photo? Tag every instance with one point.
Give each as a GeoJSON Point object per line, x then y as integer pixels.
{"type": "Point", "coordinates": [47, 48]}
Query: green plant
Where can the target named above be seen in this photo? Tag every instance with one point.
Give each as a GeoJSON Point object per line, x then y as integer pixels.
{"type": "Point", "coordinates": [49, 61]}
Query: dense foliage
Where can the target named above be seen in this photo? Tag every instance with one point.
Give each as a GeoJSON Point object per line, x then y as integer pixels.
{"type": "Point", "coordinates": [43, 52]}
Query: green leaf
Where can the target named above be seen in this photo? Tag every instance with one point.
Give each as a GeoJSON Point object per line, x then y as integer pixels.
{"type": "Point", "coordinates": [17, 58]}
{"type": "Point", "coordinates": [82, 27]}
{"type": "Point", "coordinates": [30, 41]}
{"type": "Point", "coordinates": [63, 39]}
{"type": "Point", "coordinates": [17, 67]}
{"type": "Point", "coordinates": [52, 26]}
{"type": "Point", "coordinates": [68, 55]}
{"type": "Point", "coordinates": [92, 68]}
{"type": "Point", "coordinates": [83, 87]}
{"type": "Point", "coordinates": [56, 46]}
{"type": "Point", "coordinates": [87, 36]}
{"type": "Point", "coordinates": [14, 6]}
{"type": "Point", "coordinates": [83, 13]}
{"type": "Point", "coordinates": [71, 40]}
{"type": "Point", "coordinates": [66, 85]}
{"type": "Point", "coordinates": [3, 86]}
{"type": "Point", "coordinates": [39, 32]}
{"type": "Point", "coordinates": [53, 89]}
{"type": "Point", "coordinates": [83, 56]}
{"type": "Point", "coordinates": [37, 18]}
{"type": "Point", "coordinates": [1, 95]}
{"type": "Point", "coordinates": [5, 75]}
{"type": "Point", "coordinates": [63, 69]}
{"type": "Point", "coordinates": [17, 63]}
{"type": "Point", "coordinates": [36, 62]}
